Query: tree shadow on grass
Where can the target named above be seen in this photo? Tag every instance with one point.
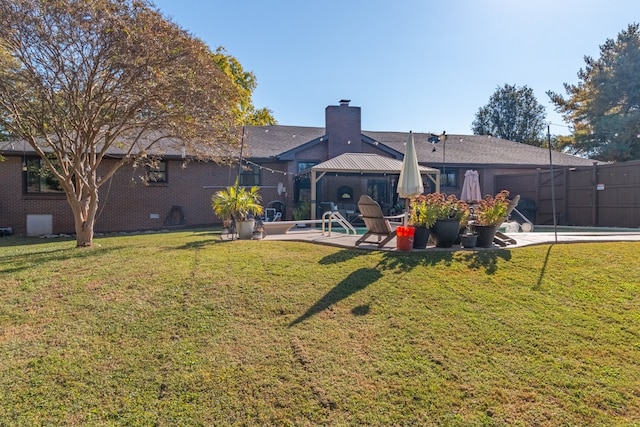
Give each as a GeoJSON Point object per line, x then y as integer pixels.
{"type": "Point", "coordinates": [407, 261]}
{"type": "Point", "coordinates": [207, 238]}
{"type": "Point", "coordinates": [485, 259]}
{"type": "Point", "coordinates": [342, 256]}
{"type": "Point", "coordinates": [7, 241]}
{"type": "Point", "coordinates": [39, 256]}
{"type": "Point", "coordinates": [353, 283]}
{"type": "Point", "coordinates": [197, 244]}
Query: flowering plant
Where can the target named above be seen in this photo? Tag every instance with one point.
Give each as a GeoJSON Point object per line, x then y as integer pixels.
{"type": "Point", "coordinates": [492, 210]}
{"type": "Point", "coordinates": [421, 212]}
{"type": "Point", "coordinates": [426, 209]}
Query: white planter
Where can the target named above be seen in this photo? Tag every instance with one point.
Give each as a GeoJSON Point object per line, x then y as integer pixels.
{"type": "Point", "coordinates": [245, 229]}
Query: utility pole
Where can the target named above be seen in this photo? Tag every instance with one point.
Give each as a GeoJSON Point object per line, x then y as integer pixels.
{"type": "Point", "coordinates": [553, 190]}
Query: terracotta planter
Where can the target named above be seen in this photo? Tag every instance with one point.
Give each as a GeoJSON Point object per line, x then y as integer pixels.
{"type": "Point", "coordinates": [444, 232]}
{"type": "Point", "coordinates": [485, 233]}
{"type": "Point", "coordinates": [420, 238]}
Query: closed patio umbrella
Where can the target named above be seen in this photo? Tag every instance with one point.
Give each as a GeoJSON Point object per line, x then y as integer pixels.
{"type": "Point", "coordinates": [471, 187]}
{"type": "Point", "coordinates": [410, 180]}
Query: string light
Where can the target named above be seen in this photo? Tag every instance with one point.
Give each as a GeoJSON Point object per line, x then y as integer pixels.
{"type": "Point", "coordinates": [261, 167]}
{"type": "Point", "coordinates": [249, 162]}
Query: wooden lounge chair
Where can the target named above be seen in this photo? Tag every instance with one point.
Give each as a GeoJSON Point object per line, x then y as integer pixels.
{"type": "Point", "coordinates": [377, 224]}
{"type": "Point", "coordinates": [500, 238]}
{"type": "Point", "coordinates": [512, 205]}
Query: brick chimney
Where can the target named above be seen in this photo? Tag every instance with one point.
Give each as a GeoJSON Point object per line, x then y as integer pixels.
{"type": "Point", "coordinates": [343, 128]}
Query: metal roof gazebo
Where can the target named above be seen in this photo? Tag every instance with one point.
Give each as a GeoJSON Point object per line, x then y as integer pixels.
{"type": "Point", "coordinates": [364, 164]}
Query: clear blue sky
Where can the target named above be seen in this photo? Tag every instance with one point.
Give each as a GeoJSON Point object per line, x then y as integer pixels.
{"type": "Point", "coordinates": [421, 65]}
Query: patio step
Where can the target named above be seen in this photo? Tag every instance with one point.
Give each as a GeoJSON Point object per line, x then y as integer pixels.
{"type": "Point", "coordinates": [502, 239]}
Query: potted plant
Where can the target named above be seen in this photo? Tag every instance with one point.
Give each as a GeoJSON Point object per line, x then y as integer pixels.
{"type": "Point", "coordinates": [238, 205]}
{"type": "Point", "coordinates": [451, 214]}
{"type": "Point", "coordinates": [490, 213]}
{"type": "Point", "coordinates": [469, 238]}
{"type": "Point", "coordinates": [422, 215]}
{"type": "Point", "coordinates": [301, 212]}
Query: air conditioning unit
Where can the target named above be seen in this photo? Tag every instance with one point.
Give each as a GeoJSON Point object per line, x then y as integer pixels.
{"type": "Point", "coordinates": [39, 225]}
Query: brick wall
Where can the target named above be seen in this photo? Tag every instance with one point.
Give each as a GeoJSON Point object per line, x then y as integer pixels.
{"type": "Point", "coordinates": [125, 203]}
{"type": "Point", "coordinates": [15, 204]}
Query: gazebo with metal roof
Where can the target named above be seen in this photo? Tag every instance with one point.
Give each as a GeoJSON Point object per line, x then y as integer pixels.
{"type": "Point", "coordinates": [364, 164]}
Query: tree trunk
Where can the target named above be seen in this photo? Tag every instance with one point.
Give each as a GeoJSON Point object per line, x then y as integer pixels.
{"type": "Point", "coordinates": [84, 233]}
{"type": "Point", "coordinates": [84, 216]}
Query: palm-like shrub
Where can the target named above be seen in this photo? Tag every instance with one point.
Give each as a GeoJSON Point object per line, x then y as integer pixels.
{"type": "Point", "coordinates": [236, 202]}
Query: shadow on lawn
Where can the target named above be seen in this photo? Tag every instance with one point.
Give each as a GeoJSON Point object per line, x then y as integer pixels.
{"type": "Point", "coordinates": [407, 261]}
{"type": "Point", "coordinates": [197, 244]}
{"type": "Point", "coordinates": [209, 237]}
{"type": "Point", "coordinates": [487, 260]}
{"type": "Point", "coordinates": [41, 255]}
{"type": "Point", "coordinates": [353, 283]}
{"type": "Point", "coordinates": [342, 256]}
{"type": "Point", "coordinates": [538, 285]}
{"type": "Point", "coordinates": [7, 241]}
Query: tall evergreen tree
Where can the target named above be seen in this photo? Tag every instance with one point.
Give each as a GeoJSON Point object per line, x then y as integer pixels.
{"type": "Point", "coordinates": [604, 107]}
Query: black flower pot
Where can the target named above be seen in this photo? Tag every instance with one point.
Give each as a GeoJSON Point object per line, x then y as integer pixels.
{"type": "Point", "coordinates": [485, 233]}
{"type": "Point", "coordinates": [469, 240]}
{"type": "Point", "coordinates": [420, 238]}
{"type": "Point", "coordinates": [445, 231]}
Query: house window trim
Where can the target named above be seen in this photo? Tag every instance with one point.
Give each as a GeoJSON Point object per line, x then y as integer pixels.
{"type": "Point", "coordinates": [308, 164]}
{"type": "Point", "coordinates": [53, 193]}
{"type": "Point", "coordinates": [151, 171]}
{"type": "Point", "coordinates": [450, 171]}
{"type": "Point", "coordinates": [250, 172]}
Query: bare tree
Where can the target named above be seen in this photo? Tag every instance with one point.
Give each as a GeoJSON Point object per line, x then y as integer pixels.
{"type": "Point", "coordinates": [80, 79]}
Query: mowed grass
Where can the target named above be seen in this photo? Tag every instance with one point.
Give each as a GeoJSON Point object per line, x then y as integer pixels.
{"type": "Point", "coordinates": [185, 329]}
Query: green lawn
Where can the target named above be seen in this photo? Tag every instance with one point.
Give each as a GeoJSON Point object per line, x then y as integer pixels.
{"type": "Point", "coordinates": [185, 329]}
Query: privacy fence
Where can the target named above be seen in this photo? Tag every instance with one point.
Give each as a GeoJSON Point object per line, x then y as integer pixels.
{"type": "Point", "coordinates": [599, 195]}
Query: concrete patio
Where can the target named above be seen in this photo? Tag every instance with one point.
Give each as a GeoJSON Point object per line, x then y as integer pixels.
{"type": "Point", "coordinates": [338, 238]}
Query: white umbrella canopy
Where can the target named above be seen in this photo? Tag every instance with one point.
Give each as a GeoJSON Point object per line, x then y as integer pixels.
{"type": "Point", "coordinates": [471, 187]}
{"type": "Point", "coordinates": [410, 180]}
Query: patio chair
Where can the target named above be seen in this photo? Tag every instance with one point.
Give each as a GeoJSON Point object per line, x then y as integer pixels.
{"type": "Point", "coordinates": [377, 224]}
{"type": "Point", "coordinates": [512, 205]}
{"type": "Point", "coordinates": [500, 238]}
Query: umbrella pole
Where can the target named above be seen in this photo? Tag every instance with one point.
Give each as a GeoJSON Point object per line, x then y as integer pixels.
{"type": "Point", "coordinates": [405, 220]}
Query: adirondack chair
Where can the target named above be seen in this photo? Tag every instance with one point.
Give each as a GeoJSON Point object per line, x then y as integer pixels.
{"type": "Point", "coordinates": [377, 224]}
{"type": "Point", "coordinates": [500, 238]}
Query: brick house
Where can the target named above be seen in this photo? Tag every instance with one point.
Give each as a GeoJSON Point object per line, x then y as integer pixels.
{"type": "Point", "coordinates": [277, 158]}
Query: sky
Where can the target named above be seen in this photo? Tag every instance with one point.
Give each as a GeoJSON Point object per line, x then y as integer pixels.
{"type": "Point", "coordinates": [420, 65]}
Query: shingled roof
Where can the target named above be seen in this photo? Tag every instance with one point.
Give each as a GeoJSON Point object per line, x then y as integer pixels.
{"type": "Point", "coordinates": [477, 149]}
{"type": "Point", "coordinates": [275, 140]}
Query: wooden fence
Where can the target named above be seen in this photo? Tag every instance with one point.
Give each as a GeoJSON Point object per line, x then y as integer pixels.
{"type": "Point", "coordinates": [600, 195]}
